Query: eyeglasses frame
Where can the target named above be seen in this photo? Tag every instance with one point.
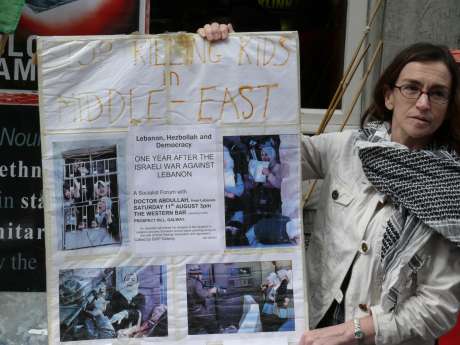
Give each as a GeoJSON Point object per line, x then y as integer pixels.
{"type": "Point", "coordinates": [421, 92]}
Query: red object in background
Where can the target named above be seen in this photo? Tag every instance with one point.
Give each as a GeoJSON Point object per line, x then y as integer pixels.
{"type": "Point", "coordinates": [24, 98]}
{"type": "Point", "coordinates": [456, 54]}
{"type": "Point", "coordinates": [453, 337]}
{"type": "Point", "coordinates": [97, 17]}
{"type": "Point", "coordinates": [75, 17]}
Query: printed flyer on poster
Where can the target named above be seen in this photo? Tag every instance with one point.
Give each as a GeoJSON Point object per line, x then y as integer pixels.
{"type": "Point", "coordinates": [171, 166]}
{"type": "Point", "coordinates": [171, 206]}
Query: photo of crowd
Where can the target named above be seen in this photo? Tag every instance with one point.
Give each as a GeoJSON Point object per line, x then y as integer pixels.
{"type": "Point", "coordinates": [90, 204]}
{"type": "Point", "coordinates": [243, 297]}
{"type": "Point", "coordinates": [253, 182]}
{"type": "Point", "coordinates": [102, 303]}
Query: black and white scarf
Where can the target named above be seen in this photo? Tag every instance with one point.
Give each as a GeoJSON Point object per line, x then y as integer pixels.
{"type": "Point", "coordinates": [424, 186]}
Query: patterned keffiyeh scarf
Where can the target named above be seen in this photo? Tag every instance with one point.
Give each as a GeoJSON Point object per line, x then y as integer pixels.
{"type": "Point", "coordinates": [424, 186]}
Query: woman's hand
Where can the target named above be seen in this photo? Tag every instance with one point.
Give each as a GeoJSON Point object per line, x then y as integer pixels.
{"type": "Point", "coordinates": [229, 195]}
{"type": "Point", "coordinates": [109, 216]}
{"type": "Point", "coordinates": [342, 334]}
{"type": "Point", "coordinates": [215, 31]}
{"type": "Point", "coordinates": [118, 317]}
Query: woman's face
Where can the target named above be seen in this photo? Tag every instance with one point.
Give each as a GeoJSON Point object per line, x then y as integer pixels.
{"type": "Point", "coordinates": [102, 190]}
{"type": "Point", "coordinates": [101, 206]}
{"type": "Point", "coordinates": [67, 194]}
{"type": "Point", "coordinates": [131, 280]}
{"type": "Point", "coordinates": [103, 290]}
{"type": "Point", "coordinates": [264, 156]}
{"type": "Point", "coordinates": [415, 121]}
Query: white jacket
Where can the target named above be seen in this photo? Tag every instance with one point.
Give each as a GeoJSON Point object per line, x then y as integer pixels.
{"type": "Point", "coordinates": [349, 225]}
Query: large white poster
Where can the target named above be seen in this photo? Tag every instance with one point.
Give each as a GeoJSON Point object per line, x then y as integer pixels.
{"type": "Point", "coordinates": [172, 187]}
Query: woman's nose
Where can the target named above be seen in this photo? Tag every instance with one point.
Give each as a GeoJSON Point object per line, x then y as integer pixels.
{"type": "Point", "coordinates": [423, 101]}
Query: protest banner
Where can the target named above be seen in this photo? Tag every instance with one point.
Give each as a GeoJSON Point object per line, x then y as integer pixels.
{"type": "Point", "coordinates": [174, 152]}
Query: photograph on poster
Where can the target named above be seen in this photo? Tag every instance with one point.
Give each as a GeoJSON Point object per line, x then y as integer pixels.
{"type": "Point", "coordinates": [90, 207]}
{"type": "Point", "coordinates": [115, 302]}
{"type": "Point", "coordinates": [253, 176]}
{"type": "Point", "coordinates": [240, 297]}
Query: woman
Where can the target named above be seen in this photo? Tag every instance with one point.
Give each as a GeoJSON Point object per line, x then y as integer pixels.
{"type": "Point", "coordinates": [273, 172]}
{"type": "Point", "coordinates": [233, 192]}
{"type": "Point", "coordinates": [103, 214]}
{"type": "Point", "coordinates": [383, 261]}
{"type": "Point", "coordinates": [270, 321]}
{"type": "Point", "coordinates": [71, 195]}
{"type": "Point", "coordinates": [390, 269]}
{"type": "Point", "coordinates": [266, 176]}
{"type": "Point", "coordinates": [126, 305]}
{"type": "Point", "coordinates": [233, 187]}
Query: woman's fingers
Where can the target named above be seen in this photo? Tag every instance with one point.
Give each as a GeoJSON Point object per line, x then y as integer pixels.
{"type": "Point", "coordinates": [215, 31]}
{"type": "Point", "coordinates": [224, 30]}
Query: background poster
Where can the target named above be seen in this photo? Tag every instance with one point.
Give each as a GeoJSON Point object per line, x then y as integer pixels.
{"type": "Point", "coordinates": [63, 17]}
{"type": "Point", "coordinates": [22, 258]}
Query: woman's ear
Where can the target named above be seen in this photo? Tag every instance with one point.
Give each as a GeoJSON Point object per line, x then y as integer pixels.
{"type": "Point", "coordinates": [389, 98]}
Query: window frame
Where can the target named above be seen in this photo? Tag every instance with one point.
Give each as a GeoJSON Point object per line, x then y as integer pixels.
{"type": "Point", "coordinates": [356, 22]}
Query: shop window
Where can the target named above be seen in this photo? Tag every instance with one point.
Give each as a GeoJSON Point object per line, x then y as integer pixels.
{"type": "Point", "coordinates": [328, 32]}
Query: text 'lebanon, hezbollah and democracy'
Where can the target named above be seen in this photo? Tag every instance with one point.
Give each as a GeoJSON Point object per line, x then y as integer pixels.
{"type": "Point", "coordinates": [174, 164]}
